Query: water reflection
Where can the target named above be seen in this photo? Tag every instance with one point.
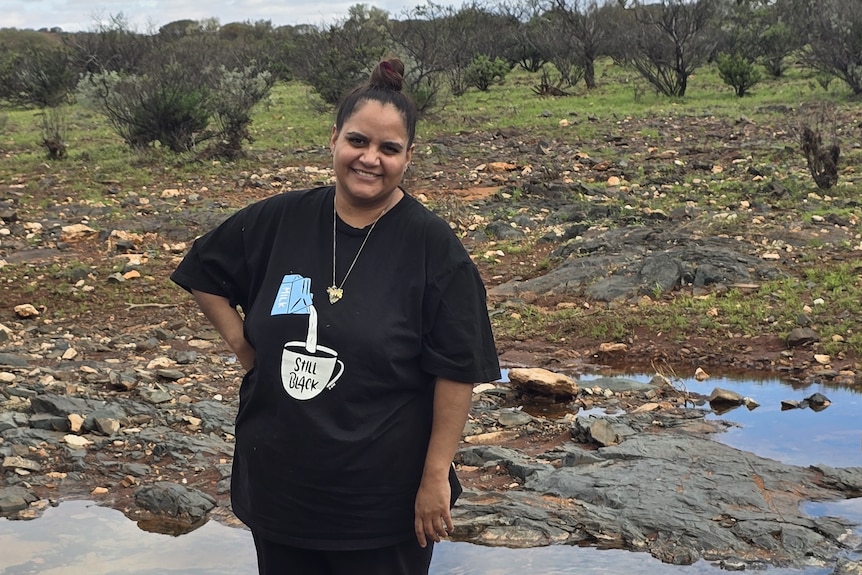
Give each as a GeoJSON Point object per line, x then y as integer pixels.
{"type": "Point", "coordinates": [80, 538]}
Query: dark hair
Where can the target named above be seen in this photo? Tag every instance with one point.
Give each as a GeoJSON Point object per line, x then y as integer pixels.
{"type": "Point", "coordinates": [384, 86]}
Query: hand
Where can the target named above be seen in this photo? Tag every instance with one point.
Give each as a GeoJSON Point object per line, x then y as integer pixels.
{"type": "Point", "coordinates": [433, 520]}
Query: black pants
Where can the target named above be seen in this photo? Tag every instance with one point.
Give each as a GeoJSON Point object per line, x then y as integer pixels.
{"type": "Point", "coordinates": [405, 558]}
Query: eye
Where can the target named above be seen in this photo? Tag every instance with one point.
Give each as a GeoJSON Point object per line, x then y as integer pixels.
{"type": "Point", "coordinates": [391, 150]}
{"type": "Point", "coordinates": [356, 141]}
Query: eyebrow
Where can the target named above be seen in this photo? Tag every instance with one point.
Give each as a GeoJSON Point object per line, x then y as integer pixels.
{"type": "Point", "coordinates": [393, 143]}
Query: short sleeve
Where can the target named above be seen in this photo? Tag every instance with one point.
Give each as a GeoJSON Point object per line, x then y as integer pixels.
{"type": "Point", "coordinates": [458, 343]}
{"type": "Point", "coordinates": [217, 263]}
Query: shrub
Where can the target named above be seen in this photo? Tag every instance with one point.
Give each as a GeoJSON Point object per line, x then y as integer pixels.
{"type": "Point", "coordinates": [822, 160]}
{"type": "Point", "coordinates": [236, 93]}
{"type": "Point", "coordinates": [144, 109]}
{"type": "Point", "coordinates": [482, 71]}
{"type": "Point", "coordinates": [41, 77]}
{"type": "Point", "coordinates": [53, 132]}
{"type": "Point", "coordinates": [739, 72]}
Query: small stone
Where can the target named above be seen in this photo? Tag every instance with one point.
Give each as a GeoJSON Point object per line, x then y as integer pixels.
{"type": "Point", "coordinates": [160, 362]}
{"type": "Point", "coordinates": [26, 310]}
{"type": "Point", "coordinates": [70, 353]}
{"type": "Point", "coordinates": [75, 422]}
{"type": "Point", "coordinates": [76, 441]}
{"type": "Point", "coordinates": [99, 491]}
{"type": "Point", "coordinates": [15, 462]}
{"type": "Point", "coordinates": [822, 358]}
{"type": "Point", "coordinates": [609, 347]}
{"type": "Point", "coordinates": [700, 374]}
{"type": "Point", "coordinates": [77, 232]}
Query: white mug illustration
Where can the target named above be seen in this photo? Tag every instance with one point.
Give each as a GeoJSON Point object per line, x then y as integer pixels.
{"type": "Point", "coordinates": [306, 368]}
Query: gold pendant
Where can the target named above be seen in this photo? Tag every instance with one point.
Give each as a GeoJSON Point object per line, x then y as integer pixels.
{"type": "Point", "coordinates": [335, 294]}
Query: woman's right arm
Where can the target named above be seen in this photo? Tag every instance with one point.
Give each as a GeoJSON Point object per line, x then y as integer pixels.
{"type": "Point", "coordinates": [228, 323]}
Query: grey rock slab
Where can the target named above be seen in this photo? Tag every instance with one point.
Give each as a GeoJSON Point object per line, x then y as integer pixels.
{"type": "Point", "coordinates": [215, 416]}
{"type": "Point", "coordinates": [15, 498]}
{"type": "Point", "coordinates": [63, 405]}
{"type": "Point", "coordinates": [674, 485]}
{"type": "Point", "coordinates": [13, 360]}
{"type": "Point", "coordinates": [7, 421]}
{"type": "Point", "coordinates": [154, 395]}
{"type": "Point", "coordinates": [628, 261]}
{"type": "Point", "coordinates": [50, 421]}
{"type": "Point", "coordinates": [173, 500]}
{"type": "Point", "coordinates": [513, 418]}
{"type": "Point", "coordinates": [618, 384]}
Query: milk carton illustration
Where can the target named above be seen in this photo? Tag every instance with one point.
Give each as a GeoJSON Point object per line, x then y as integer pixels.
{"type": "Point", "coordinates": [306, 368]}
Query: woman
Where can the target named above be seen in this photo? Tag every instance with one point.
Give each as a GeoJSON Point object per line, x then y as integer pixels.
{"type": "Point", "coordinates": [364, 327]}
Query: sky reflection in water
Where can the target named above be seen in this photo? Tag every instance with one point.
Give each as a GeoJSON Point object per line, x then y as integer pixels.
{"type": "Point", "coordinates": [80, 538]}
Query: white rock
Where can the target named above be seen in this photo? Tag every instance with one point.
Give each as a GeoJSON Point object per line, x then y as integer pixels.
{"type": "Point", "coordinates": [26, 310]}
{"type": "Point", "coordinates": [160, 362]}
{"type": "Point", "coordinates": [76, 441]}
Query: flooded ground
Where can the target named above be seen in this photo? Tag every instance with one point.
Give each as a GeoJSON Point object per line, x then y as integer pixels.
{"type": "Point", "coordinates": [80, 538]}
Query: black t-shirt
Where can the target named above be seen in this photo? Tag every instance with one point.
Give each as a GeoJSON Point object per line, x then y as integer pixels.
{"type": "Point", "coordinates": [334, 418]}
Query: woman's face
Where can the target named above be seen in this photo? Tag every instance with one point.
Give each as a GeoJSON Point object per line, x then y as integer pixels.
{"type": "Point", "coordinates": [370, 153]}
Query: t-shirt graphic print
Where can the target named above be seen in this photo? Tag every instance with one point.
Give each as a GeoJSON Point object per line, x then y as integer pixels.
{"type": "Point", "coordinates": [306, 367]}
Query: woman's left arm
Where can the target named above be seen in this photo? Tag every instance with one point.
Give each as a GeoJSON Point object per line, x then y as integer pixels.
{"type": "Point", "coordinates": [452, 400]}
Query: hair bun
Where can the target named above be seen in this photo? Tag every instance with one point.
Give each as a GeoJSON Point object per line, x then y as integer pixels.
{"type": "Point", "coordinates": [388, 74]}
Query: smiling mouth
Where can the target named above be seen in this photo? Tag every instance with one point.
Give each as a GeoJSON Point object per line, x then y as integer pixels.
{"type": "Point", "coordinates": [365, 174]}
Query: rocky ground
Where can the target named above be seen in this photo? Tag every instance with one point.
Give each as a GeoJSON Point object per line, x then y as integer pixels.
{"type": "Point", "coordinates": [114, 388]}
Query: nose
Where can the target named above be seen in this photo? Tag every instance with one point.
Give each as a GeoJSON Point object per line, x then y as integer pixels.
{"type": "Point", "coordinates": [370, 156]}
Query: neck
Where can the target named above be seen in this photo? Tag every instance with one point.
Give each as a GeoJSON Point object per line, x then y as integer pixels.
{"type": "Point", "coordinates": [363, 215]}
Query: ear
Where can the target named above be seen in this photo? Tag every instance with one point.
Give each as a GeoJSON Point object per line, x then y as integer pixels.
{"type": "Point", "coordinates": [333, 137]}
{"type": "Point", "coordinates": [410, 154]}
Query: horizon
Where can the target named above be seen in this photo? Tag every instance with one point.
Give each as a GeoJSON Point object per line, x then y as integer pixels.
{"type": "Point", "coordinates": [150, 15]}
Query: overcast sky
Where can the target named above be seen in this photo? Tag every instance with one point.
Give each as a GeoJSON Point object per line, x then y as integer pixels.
{"type": "Point", "coordinates": [143, 15]}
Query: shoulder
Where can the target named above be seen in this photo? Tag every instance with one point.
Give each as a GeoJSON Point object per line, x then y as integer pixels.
{"type": "Point", "coordinates": [273, 210]}
{"type": "Point", "coordinates": [431, 225]}
{"type": "Point", "coordinates": [293, 199]}
{"type": "Point", "coordinates": [443, 249]}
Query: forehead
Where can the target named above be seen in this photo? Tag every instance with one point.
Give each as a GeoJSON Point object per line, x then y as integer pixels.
{"type": "Point", "coordinates": [375, 119]}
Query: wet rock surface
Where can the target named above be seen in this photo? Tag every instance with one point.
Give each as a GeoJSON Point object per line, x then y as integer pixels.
{"type": "Point", "coordinates": [645, 476]}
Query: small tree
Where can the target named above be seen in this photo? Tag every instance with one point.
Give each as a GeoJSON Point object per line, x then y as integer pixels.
{"type": "Point", "coordinates": [341, 56]}
{"type": "Point", "coordinates": [670, 39]}
{"type": "Point", "coordinates": [739, 72]}
{"type": "Point", "coordinates": [483, 72]}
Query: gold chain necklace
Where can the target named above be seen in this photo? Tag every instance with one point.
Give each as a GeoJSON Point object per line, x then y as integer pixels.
{"type": "Point", "coordinates": [336, 292]}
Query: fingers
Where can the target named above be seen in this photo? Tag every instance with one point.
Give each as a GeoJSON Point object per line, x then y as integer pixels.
{"type": "Point", "coordinates": [435, 530]}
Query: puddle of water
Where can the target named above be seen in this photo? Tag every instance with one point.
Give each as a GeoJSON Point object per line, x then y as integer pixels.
{"type": "Point", "coordinates": [797, 436]}
{"type": "Point", "coordinates": [80, 538]}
